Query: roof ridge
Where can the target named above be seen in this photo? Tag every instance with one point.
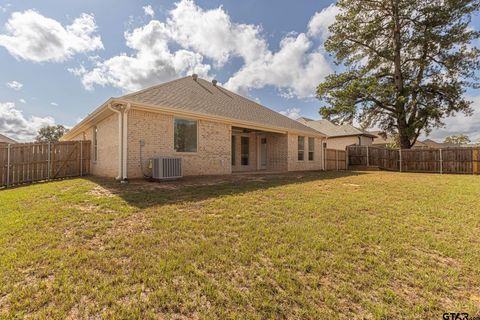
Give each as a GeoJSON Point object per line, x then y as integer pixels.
{"type": "Point", "coordinates": [152, 87]}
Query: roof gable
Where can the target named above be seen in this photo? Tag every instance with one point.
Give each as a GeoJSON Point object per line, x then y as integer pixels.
{"type": "Point", "coordinates": [333, 130]}
{"type": "Point", "coordinates": [5, 139]}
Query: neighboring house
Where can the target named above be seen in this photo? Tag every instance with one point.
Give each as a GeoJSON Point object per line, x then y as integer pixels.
{"type": "Point", "coordinates": [339, 136]}
{"type": "Point", "coordinates": [6, 140]}
{"type": "Point", "coordinates": [381, 141]}
{"type": "Point", "coordinates": [214, 131]}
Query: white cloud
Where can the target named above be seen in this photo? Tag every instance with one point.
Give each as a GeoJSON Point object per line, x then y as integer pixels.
{"type": "Point", "coordinates": [293, 113]}
{"type": "Point", "coordinates": [15, 85]}
{"type": "Point", "coordinates": [14, 124]}
{"type": "Point", "coordinates": [319, 23]}
{"type": "Point", "coordinates": [152, 63]}
{"type": "Point", "coordinates": [148, 10]}
{"type": "Point", "coordinates": [32, 36]}
{"type": "Point", "coordinates": [461, 124]}
{"type": "Point", "coordinates": [54, 104]}
{"type": "Point", "coordinates": [213, 34]}
{"type": "Point", "coordinates": [295, 69]}
{"type": "Point", "coordinates": [22, 101]}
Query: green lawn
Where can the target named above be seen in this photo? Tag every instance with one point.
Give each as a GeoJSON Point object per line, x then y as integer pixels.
{"type": "Point", "coordinates": [297, 246]}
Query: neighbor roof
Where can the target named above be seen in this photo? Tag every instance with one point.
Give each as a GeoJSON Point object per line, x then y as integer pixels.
{"type": "Point", "coordinates": [333, 130]}
{"type": "Point", "coordinates": [201, 96]}
{"type": "Point", "coordinates": [5, 139]}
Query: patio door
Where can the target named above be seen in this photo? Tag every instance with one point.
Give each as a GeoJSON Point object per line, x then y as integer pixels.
{"type": "Point", "coordinates": [262, 153]}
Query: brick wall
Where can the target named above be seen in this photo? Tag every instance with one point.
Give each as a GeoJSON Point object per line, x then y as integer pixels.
{"type": "Point", "coordinates": [296, 165]}
{"type": "Point", "coordinates": [156, 129]}
{"type": "Point", "coordinates": [277, 152]}
{"type": "Point", "coordinates": [106, 164]}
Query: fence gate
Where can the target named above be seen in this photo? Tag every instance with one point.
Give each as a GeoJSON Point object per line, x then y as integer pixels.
{"type": "Point", "coordinates": [29, 162]}
{"type": "Point", "coordinates": [335, 159]}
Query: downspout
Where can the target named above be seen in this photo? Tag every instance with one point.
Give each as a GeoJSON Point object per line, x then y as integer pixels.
{"type": "Point", "coordinates": [125, 142]}
{"type": "Point", "coordinates": [120, 141]}
{"type": "Point", "coordinates": [324, 149]}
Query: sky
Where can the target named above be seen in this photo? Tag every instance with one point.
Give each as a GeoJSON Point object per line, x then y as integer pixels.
{"type": "Point", "coordinates": [60, 60]}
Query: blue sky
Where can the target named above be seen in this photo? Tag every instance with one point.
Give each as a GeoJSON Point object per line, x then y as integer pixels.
{"type": "Point", "coordinates": [60, 61]}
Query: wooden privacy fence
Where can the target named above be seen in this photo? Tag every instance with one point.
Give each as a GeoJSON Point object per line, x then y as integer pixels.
{"type": "Point", "coordinates": [335, 159]}
{"type": "Point", "coordinates": [29, 162]}
{"type": "Point", "coordinates": [449, 160]}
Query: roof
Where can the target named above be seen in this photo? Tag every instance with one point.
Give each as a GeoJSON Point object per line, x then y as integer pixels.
{"type": "Point", "coordinates": [381, 139]}
{"type": "Point", "coordinates": [5, 139]}
{"type": "Point", "coordinates": [304, 119]}
{"type": "Point", "coordinates": [428, 143]}
{"type": "Point", "coordinates": [202, 97]}
{"type": "Point", "coordinates": [333, 130]}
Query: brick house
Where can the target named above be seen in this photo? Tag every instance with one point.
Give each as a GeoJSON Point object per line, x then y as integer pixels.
{"type": "Point", "coordinates": [214, 132]}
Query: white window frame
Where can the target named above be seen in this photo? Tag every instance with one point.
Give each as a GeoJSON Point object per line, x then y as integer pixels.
{"type": "Point", "coordinates": [312, 144]}
{"type": "Point", "coordinates": [298, 148]}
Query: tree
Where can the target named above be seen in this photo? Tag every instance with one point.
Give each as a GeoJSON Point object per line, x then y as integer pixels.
{"type": "Point", "coordinates": [407, 64]}
{"type": "Point", "coordinates": [460, 139]}
{"type": "Point", "coordinates": [50, 133]}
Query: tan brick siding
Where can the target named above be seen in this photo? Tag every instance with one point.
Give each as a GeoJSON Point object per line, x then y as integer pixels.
{"type": "Point", "coordinates": [298, 165]}
{"type": "Point", "coordinates": [366, 141]}
{"type": "Point", "coordinates": [277, 152]}
{"type": "Point", "coordinates": [341, 143]}
{"type": "Point", "coordinates": [156, 129]}
{"type": "Point", "coordinates": [213, 156]}
{"type": "Point", "coordinates": [107, 150]}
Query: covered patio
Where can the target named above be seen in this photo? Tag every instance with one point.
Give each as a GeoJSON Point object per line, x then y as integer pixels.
{"type": "Point", "coordinates": [258, 151]}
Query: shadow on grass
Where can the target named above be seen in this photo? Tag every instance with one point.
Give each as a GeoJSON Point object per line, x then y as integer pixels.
{"type": "Point", "coordinates": [143, 194]}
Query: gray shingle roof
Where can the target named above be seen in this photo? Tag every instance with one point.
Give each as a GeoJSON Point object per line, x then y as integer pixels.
{"type": "Point", "coordinates": [201, 96]}
{"type": "Point", "coordinates": [5, 139]}
{"type": "Point", "coordinates": [333, 130]}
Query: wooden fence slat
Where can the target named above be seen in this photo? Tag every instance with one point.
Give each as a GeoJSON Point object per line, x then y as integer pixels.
{"type": "Point", "coordinates": [30, 162]}
{"type": "Point", "coordinates": [459, 160]}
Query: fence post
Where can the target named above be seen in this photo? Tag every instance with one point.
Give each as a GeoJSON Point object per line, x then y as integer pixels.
{"type": "Point", "coordinates": [8, 165]}
{"type": "Point", "coordinates": [476, 160]}
{"type": "Point", "coordinates": [336, 158]}
{"type": "Point", "coordinates": [49, 169]}
{"type": "Point", "coordinates": [346, 158]}
{"type": "Point", "coordinates": [400, 157]}
{"type": "Point", "coordinates": [441, 161]}
{"type": "Point", "coordinates": [81, 158]}
{"type": "Point", "coordinates": [368, 158]}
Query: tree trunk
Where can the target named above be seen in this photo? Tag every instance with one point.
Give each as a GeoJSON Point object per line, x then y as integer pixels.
{"type": "Point", "coordinates": [403, 137]}
{"type": "Point", "coordinates": [399, 85]}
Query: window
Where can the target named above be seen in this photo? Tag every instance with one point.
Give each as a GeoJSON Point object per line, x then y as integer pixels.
{"type": "Point", "coordinates": [234, 140]}
{"type": "Point", "coordinates": [311, 149]}
{"type": "Point", "coordinates": [95, 144]}
{"type": "Point", "coordinates": [185, 135]}
{"type": "Point", "coordinates": [301, 148]}
{"type": "Point", "coordinates": [245, 141]}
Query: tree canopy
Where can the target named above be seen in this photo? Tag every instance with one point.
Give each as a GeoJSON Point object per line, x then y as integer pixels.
{"type": "Point", "coordinates": [50, 133]}
{"type": "Point", "coordinates": [459, 139]}
{"type": "Point", "coordinates": [406, 64]}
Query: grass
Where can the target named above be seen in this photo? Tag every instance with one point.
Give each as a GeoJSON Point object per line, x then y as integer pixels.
{"type": "Point", "coordinates": [307, 245]}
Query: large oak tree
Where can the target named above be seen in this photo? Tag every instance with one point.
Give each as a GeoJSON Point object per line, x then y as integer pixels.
{"type": "Point", "coordinates": [406, 64]}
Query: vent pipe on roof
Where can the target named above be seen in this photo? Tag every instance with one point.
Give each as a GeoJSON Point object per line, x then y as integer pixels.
{"type": "Point", "coordinates": [195, 76]}
{"type": "Point", "coordinates": [214, 82]}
